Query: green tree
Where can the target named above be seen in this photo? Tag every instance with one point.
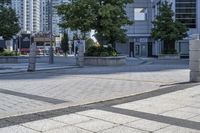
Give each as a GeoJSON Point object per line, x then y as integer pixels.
{"type": "Point", "coordinates": [8, 20]}
{"type": "Point", "coordinates": [167, 29]}
{"type": "Point", "coordinates": [5, 2]}
{"type": "Point", "coordinates": [106, 17]}
{"type": "Point", "coordinates": [65, 43]}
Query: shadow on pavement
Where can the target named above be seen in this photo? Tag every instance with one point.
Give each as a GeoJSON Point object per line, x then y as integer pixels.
{"type": "Point", "coordinates": [142, 68]}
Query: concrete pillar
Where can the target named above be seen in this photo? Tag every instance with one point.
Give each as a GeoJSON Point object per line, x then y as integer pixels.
{"type": "Point", "coordinates": [51, 55]}
{"type": "Point", "coordinates": [195, 60]}
{"type": "Point", "coordinates": [32, 58]}
{"type": "Point", "coordinates": [9, 45]}
{"type": "Point", "coordinates": [80, 59]}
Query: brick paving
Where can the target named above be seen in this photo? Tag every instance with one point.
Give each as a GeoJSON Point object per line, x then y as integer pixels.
{"type": "Point", "coordinates": [175, 111]}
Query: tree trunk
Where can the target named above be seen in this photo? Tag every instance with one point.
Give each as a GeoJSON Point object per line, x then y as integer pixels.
{"type": "Point", "coordinates": [169, 45]}
{"type": "Point", "coordinates": [65, 54]}
{"type": "Point", "coordinates": [113, 43]}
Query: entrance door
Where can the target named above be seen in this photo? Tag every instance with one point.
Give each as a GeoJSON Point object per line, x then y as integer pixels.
{"type": "Point", "coordinates": [137, 50]}
{"type": "Point", "coordinates": [131, 49]}
{"type": "Point", "coordinates": [150, 50]}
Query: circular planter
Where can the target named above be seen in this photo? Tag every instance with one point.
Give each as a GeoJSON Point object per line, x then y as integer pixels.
{"type": "Point", "coordinates": [105, 61]}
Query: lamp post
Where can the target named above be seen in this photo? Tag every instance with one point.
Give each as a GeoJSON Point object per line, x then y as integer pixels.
{"type": "Point", "coordinates": [51, 55]}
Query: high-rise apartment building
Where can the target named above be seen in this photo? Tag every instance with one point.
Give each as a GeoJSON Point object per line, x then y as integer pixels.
{"type": "Point", "coordinates": [28, 12]}
{"type": "Point", "coordinates": [17, 6]}
{"type": "Point", "coordinates": [34, 15]}
{"type": "Point", "coordinates": [56, 19]}
{"type": "Point", "coordinates": [44, 16]}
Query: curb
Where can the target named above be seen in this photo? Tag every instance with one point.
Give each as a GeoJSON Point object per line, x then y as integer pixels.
{"type": "Point", "coordinates": [38, 70]}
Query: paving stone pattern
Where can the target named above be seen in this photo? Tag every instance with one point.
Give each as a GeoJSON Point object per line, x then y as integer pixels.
{"type": "Point", "coordinates": [177, 116]}
{"type": "Point", "coordinates": [85, 85]}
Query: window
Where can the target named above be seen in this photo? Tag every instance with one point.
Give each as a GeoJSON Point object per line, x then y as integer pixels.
{"type": "Point", "coordinates": [140, 14]}
{"type": "Point", "coordinates": [186, 12]}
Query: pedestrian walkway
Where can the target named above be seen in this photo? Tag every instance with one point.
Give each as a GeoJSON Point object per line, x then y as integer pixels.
{"type": "Point", "coordinates": [175, 109]}
{"type": "Point", "coordinates": [24, 93]}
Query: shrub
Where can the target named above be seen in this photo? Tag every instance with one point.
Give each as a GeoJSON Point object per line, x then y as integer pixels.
{"type": "Point", "coordinates": [8, 53]}
{"type": "Point", "coordinates": [1, 50]}
{"type": "Point", "coordinates": [101, 51]}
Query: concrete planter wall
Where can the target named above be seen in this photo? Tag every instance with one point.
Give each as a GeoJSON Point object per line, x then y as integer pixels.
{"type": "Point", "coordinates": [12, 59]}
{"type": "Point", "coordinates": [40, 59]}
{"type": "Point", "coordinates": [105, 61]}
{"type": "Point", "coordinates": [169, 56]}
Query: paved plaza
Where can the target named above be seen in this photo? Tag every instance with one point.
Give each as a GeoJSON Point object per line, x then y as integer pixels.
{"type": "Point", "coordinates": [150, 96]}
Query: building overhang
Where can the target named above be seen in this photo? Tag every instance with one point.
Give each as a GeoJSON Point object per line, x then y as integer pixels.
{"type": "Point", "coordinates": [139, 35]}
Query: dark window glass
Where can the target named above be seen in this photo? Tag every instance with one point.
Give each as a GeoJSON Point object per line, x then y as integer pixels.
{"type": "Point", "coordinates": [186, 12]}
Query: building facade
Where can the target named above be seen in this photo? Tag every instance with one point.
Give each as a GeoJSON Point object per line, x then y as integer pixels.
{"type": "Point", "coordinates": [139, 34]}
{"type": "Point", "coordinates": [34, 15]}
{"type": "Point", "coordinates": [56, 19]}
{"type": "Point", "coordinates": [143, 12]}
{"type": "Point", "coordinates": [28, 12]}
{"type": "Point", "coordinates": [44, 16]}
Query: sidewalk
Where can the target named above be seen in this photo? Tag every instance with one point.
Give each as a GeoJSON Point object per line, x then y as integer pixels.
{"type": "Point", "coordinates": [172, 110]}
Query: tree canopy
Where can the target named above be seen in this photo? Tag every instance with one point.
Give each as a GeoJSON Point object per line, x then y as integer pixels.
{"type": "Point", "coordinates": [5, 2]}
{"type": "Point", "coordinates": [106, 17]}
{"type": "Point", "coordinates": [166, 28]}
{"type": "Point", "coordinates": [8, 20]}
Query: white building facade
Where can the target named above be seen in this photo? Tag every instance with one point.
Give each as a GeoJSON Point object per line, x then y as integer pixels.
{"type": "Point", "coordinates": [34, 15]}
{"type": "Point", "coordinates": [44, 16]}
{"type": "Point", "coordinates": [28, 12]}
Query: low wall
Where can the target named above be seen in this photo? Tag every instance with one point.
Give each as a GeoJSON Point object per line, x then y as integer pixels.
{"type": "Point", "coordinates": [12, 59]}
{"type": "Point", "coordinates": [105, 61]}
{"type": "Point", "coordinates": [169, 56]}
{"type": "Point", "coordinates": [40, 59]}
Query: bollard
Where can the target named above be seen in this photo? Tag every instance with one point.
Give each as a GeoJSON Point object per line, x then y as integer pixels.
{"type": "Point", "coordinates": [32, 58]}
{"type": "Point", "coordinates": [195, 60]}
